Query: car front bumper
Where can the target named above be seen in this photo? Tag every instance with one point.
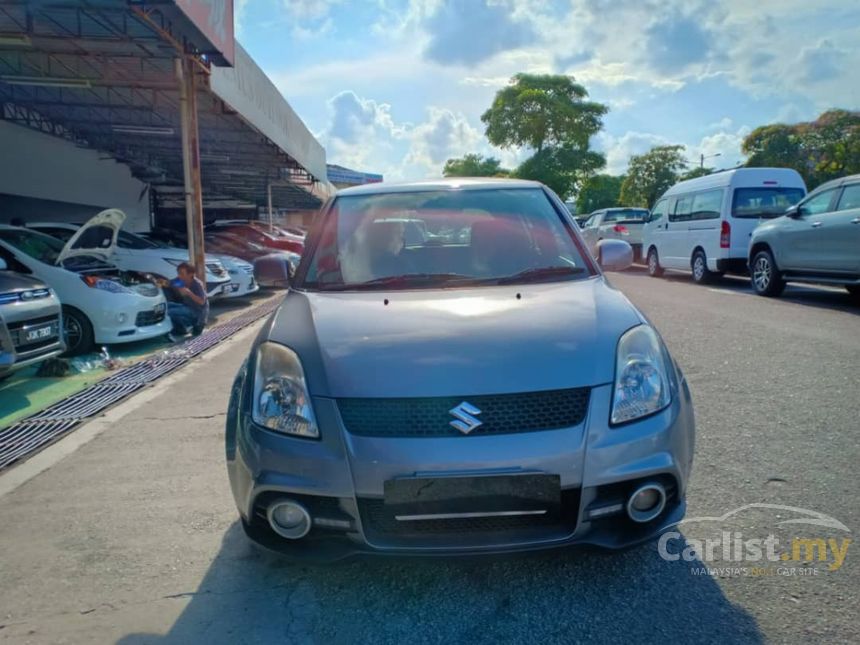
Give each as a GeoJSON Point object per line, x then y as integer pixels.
{"type": "Point", "coordinates": [119, 323]}
{"type": "Point", "coordinates": [340, 479]}
{"type": "Point", "coordinates": [241, 284]}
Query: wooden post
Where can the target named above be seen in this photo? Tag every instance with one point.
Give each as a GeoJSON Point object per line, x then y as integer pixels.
{"type": "Point", "coordinates": [191, 165]}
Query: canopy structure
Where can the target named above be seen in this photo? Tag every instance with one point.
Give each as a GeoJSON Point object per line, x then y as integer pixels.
{"type": "Point", "coordinates": [103, 74]}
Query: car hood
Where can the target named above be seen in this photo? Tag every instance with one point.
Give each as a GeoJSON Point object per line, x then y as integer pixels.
{"type": "Point", "coordinates": [11, 281]}
{"type": "Point", "coordinates": [456, 341]}
{"type": "Point", "coordinates": [96, 238]}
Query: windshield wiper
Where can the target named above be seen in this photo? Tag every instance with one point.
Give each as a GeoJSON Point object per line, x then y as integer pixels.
{"type": "Point", "coordinates": [540, 273]}
{"type": "Point", "coordinates": [404, 280]}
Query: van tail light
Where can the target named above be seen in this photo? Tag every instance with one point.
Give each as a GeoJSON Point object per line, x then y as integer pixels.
{"type": "Point", "coordinates": [618, 228]}
{"type": "Point", "coordinates": [725, 235]}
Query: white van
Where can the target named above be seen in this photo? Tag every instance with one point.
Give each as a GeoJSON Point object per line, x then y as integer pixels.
{"type": "Point", "coordinates": [704, 225]}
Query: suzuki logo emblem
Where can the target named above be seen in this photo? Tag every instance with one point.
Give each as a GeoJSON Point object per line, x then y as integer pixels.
{"type": "Point", "coordinates": [464, 417]}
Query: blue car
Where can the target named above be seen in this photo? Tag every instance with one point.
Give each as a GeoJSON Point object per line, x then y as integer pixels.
{"type": "Point", "coordinates": [480, 388]}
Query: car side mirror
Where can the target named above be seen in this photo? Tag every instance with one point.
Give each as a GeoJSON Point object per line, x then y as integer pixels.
{"type": "Point", "coordinates": [273, 270]}
{"type": "Point", "coordinates": [614, 255]}
{"type": "Point", "coordinates": [3, 265]}
{"type": "Point", "coordinates": [793, 212]}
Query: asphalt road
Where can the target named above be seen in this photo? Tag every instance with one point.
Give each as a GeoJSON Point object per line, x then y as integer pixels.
{"type": "Point", "coordinates": [133, 538]}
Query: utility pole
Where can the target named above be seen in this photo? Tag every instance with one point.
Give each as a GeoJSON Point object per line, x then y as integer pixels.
{"type": "Point", "coordinates": [191, 164]}
{"type": "Point", "coordinates": [702, 158]}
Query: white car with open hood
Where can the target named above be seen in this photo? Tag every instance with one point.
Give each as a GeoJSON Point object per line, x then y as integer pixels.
{"type": "Point", "coordinates": [101, 303]}
{"type": "Point", "coordinates": [134, 253]}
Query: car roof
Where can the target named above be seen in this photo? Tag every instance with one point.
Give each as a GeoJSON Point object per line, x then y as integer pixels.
{"type": "Point", "coordinates": [67, 225]}
{"type": "Point", "coordinates": [835, 183]}
{"type": "Point", "coordinates": [453, 183]}
{"type": "Point", "coordinates": [787, 177]}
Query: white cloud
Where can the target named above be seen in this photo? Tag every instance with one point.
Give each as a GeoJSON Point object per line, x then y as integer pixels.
{"type": "Point", "coordinates": [466, 33]}
{"type": "Point", "coordinates": [309, 19]}
{"type": "Point", "coordinates": [444, 135]}
{"type": "Point", "coordinates": [618, 150]}
{"type": "Point", "coordinates": [721, 150]}
{"type": "Point", "coordinates": [362, 133]}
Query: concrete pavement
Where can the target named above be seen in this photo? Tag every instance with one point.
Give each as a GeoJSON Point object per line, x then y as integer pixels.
{"type": "Point", "coordinates": [133, 538]}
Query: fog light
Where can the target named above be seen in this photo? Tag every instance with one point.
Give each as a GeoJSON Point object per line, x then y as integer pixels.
{"type": "Point", "coordinates": [289, 519]}
{"type": "Point", "coordinates": [646, 502]}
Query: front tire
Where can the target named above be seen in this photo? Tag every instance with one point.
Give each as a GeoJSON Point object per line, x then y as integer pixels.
{"type": "Point", "coordinates": [766, 278]}
{"type": "Point", "coordinates": [78, 332]}
{"type": "Point", "coordinates": [701, 273]}
{"type": "Point", "coordinates": [654, 268]}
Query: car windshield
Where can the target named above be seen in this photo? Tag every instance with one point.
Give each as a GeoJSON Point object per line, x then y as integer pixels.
{"type": "Point", "coordinates": [626, 215]}
{"type": "Point", "coordinates": [38, 246]}
{"type": "Point", "coordinates": [767, 202]}
{"type": "Point", "coordinates": [128, 240]}
{"type": "Point", "coordinates": [442, 238]}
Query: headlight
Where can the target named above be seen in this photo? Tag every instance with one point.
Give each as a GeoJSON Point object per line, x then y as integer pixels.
{"type": "Point", "coordinates": [641, 380]}
{"type": "Point", "coordinates": [281, 401]}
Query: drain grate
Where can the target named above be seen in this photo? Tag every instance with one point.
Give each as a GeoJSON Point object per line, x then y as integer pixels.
{"type": "Point", "coordinates": [89, 402]}
{"type": "Point", "coordinates": [30, 435]}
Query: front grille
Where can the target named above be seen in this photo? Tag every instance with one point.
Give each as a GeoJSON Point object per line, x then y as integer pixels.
{"type": "Point", "coordinates": [430, 417]}
{"type": "Point", "coordinates": [25, 296]}
{"type": "Point", "coordinates": [18, 332]}
{"type": "Point", "coordinates": [217, 270]}
{"type": "Point", "coordinates": [379, 521]}
{"type": "Point", "coordinates": [151, 317]}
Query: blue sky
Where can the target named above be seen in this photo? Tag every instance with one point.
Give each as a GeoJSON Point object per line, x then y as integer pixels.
{"type": "Point", "coordinates": [398, 86]}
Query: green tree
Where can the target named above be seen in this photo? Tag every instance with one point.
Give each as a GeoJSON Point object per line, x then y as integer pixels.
{"type": "Point", "coordinates": [551, 115]}
{"type": "Point", "coordinates": [651, 174]}
{"type": "Point", "coordinates": [775, 145]}
{"type": "Point", "coordinates": [819, 150]}
{"type": "Point", "coordinates": [562, 169]}
{"type": "Point", "coordinates": [474, 165]}
{"type": "Point", "coordinates": [598, 191]}
{"type": "Point", "coordinates": [696, 171]}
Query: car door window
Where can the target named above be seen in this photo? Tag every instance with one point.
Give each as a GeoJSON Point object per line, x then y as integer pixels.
{"type": "Point", "coordinates": [683, 208]}
{"type": "Point", "coordinates": [850, 198]}
{"type": "Point", "coordinates": [818, 204]}
{"type": "Point", "coordinates": [707, 205]}
{"type": "Point", "coordinates": [591, 221]}
{"type": "Point", "coordinates": [62, 234]}
{"type": "Point", "coordinates": [659, 210]}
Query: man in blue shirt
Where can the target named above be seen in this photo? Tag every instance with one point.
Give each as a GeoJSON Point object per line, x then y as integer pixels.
{"type": "Point", "coordinates": [193, 309]}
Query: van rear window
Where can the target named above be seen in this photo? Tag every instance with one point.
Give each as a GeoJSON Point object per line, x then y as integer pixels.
{"type": "Point", "coordinates": [765, 202]}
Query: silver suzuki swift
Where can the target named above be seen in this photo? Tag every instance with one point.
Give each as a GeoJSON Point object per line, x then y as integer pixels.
{"type": "Point", "coordinates": [451, 373]}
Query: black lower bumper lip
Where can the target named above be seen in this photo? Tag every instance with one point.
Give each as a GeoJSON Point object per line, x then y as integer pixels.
{"type": "Point", "coordinates": [334, 548]}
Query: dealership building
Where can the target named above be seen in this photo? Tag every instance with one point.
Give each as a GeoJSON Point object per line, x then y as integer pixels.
{"type": "Point", "coordinates": [152, 108]}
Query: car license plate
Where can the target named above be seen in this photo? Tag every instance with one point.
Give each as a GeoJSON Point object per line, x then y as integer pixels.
{"type": "Point", "coordinates": [39, 333]}
{"type": "Point", "coordinates": [234, 286]}
{"type": "Point", "coordinates": [490, 494]}
{"type": "Point", "coordinates": [226, 288]}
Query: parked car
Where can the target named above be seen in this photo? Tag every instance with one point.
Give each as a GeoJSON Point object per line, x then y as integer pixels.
{"type": "Point", "coordinates": [817, 240]}
{"type": "Point", "coordinates": [704, 225]}
{"type": "Point", "coordinates": [494, 395]}
{"type": "Point", "coordinates": [616, 224]}
{"type": "Point", "coordinates": [100, 303]}
{"type": "Point", "coordinates": [30, 321]}
{"type": "Point", "coordinates": [267, 263]}
{"type": "Point", "coordinates": [259, 233]}
{"type": "Point", "coordinates": [131, 252]}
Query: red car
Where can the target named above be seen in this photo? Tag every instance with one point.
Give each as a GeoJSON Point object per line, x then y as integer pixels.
{"type": "Point", "coordinates": [259, 233]}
